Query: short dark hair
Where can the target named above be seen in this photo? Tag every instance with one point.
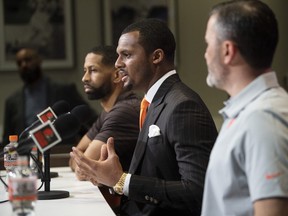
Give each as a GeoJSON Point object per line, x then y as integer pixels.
{"type": "Point", "coordinates": [154, 34]}
{"type": "Point", "coordinates": [252, 26]}
{"type": "Point", "coordinates": [108, 53]}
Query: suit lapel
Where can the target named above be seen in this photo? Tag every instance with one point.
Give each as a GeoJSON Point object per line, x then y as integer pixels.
{"type": "Point", "coordinates": [151, 118]}
{"type": "Point", "coordinates": [154, 111]}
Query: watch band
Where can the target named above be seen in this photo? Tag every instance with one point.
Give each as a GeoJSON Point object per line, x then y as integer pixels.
{"type": "Point", "coordinates": [118, 188]}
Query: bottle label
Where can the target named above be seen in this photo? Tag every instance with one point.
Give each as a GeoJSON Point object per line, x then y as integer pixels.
{"type": "Point", "coordinates": [22, 189]}
{"type": "Point", "coordinates": [10, 159]}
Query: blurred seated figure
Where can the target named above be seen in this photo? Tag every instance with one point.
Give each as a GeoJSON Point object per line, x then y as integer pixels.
{"type": "Point", "coordinates": [37, 93]}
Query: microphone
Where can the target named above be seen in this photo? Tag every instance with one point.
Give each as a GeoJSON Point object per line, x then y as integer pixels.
{"type": "Point", "coordinates": [47, 135]}
{"type": "Point", "coordinates": [65, 126]}
{"type": "Point", "coordinates": [79, 114]}
{"type": "Point", "coordinates": [59, 108]}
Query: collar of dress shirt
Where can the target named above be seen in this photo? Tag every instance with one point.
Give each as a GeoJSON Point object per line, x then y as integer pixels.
{"type": "Point", "coordinates": [152, 91]}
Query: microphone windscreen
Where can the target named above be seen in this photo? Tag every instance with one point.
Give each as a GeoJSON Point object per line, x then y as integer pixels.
{"type": "Point", "coordinates": [82, 112]}
{"type": "Point", "coordinates": [67, 125]}
{"type": "Point", "coordinates": [60, 107]}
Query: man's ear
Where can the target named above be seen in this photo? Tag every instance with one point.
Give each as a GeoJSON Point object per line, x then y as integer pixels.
{"type": "Point", "coordinates": [229, 51]}
{"type": "Point", "coordinates": [157, 56]}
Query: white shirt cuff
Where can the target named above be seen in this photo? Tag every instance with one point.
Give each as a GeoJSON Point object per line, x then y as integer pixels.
{"type": "Point", "coordinates": [126, 184]}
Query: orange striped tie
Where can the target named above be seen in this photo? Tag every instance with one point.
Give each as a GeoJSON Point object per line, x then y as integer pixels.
{"type": "Point", "coordinates": [143, 111]}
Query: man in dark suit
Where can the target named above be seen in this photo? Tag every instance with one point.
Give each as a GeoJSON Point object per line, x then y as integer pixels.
{"type": "Point", "coordinates": [38, 93]}
{"type": "Point", "coordinates": [167, 171]}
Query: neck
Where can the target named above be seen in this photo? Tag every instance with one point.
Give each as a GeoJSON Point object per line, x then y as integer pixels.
{"type": "Point", "coordinates": [108, 102]}
{"type": "Point", "coordinates": [160, 71]}
{"type": "Point", "coordinates": [242, 78]}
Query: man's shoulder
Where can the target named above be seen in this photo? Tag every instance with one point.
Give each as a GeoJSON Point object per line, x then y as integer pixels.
{"type": "Point", "coordinates": [181, 91]}
{"type": "Point", "coordinates": [175, 87]}
{"type": "Point", "coordinates": [128, 98]}
{"type": "Point", "coordinates": [128, 104]}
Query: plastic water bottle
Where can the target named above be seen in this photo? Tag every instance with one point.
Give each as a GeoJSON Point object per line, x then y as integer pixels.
{"type": "Point", "coordinates": [36, 165]}
{"type": "Point", "coordinates": [3, 190]}
{"type": "Point", "coordinates": [10, 158]}
{"type": "Point", "coordinates": [22, 188]}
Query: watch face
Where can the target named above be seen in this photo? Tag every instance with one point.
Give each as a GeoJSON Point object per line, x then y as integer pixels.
{"type": "Point", "coordinates": [118, 190]}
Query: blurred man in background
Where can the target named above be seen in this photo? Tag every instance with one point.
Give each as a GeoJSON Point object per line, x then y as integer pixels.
{"type": "Point", "coordinates": [38, 92]}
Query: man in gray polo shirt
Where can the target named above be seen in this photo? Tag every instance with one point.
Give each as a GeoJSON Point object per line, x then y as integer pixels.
{"type": "Point", "coordinates": [248, 168]}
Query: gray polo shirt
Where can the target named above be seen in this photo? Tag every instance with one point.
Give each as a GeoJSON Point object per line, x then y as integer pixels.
{"type": "Point", "coordinates": [249, 159]}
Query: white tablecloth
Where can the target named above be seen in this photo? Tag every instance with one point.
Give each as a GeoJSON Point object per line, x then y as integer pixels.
{"type": "Point", "coordinates": [85, 199]}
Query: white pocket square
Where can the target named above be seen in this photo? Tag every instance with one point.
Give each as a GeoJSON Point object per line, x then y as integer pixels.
{"type": "Point", "coordinates": [154, 131]}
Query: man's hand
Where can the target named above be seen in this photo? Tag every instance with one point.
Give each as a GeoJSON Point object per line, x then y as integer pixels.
{"type": "Point", "coordinates": [80, 175]}
{"type": "Point", "coordinates": [107, 170]}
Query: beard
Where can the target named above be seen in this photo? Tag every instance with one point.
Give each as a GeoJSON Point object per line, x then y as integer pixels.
{"type": "Point", "coordinates": [210, 80]}
{"type": "Point", "coordinates": [99, 92]}
{"type": "Point", "coordinates": [29, 76]}
{"type": "Point", "coordinates": [128, 84]}
{"type": "Point", "coordinates": [217, 78]}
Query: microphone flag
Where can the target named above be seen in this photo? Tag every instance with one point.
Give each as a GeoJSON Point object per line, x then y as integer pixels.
{"type": "Point", "coordinates": [45, 136]}
{"type": "Point", "coordinates": [46, 115]}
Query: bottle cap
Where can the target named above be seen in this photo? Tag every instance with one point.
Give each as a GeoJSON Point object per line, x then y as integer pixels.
{"type": "Point", "coordinates": [13, 138]}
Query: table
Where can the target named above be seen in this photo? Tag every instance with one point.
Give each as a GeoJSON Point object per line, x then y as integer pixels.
{"type": "Point", "coordinates": [85, 198]}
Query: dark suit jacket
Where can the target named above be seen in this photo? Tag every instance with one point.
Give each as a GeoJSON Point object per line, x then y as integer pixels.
{"type": "Point", "coordinates": [168, 170]}
{"type": "Point", "coordinates": [14, 122]}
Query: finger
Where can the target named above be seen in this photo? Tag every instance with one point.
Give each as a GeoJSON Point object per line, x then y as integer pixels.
{"type": "Point", "coordinates": [104, 153]}
{"type": "Point", "coordinates": [110, 146]}
{"type": "Point", "coordinates": [75, 157]}
{"type": "Point", "coordinates": [81, 161]}
{"type": "Point", "coordinates": [87, 166]}
{"type": "Point", "coordinates": [80, 175]}
{"type": "Point", "coordinates": [94, 182]}
{"type": "Point", "coordinates": [76, 152]}
{"type": "Point", "coordinates": [78, 156]}
{"type": "Point", "coordinates": [79, 171]}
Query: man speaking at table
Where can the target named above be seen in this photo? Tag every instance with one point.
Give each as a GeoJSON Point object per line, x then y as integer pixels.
{"type": "Point", "coordinates": [166, 175]}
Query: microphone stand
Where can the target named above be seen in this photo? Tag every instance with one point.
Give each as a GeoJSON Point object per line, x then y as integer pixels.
{"type": "Point", "coordinates": [52, 174]}
{"type": "Point", "coordinates": [47, 193]}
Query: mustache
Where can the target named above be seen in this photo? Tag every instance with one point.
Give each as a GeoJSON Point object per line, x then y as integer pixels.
{"type": "Point", "coordinates": [86, 85]}
{"type": "Point", "coordinates": [122, 72]}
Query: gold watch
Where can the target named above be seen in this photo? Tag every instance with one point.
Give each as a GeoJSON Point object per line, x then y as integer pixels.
{"type": "Point", "coordinates": [118, 188]}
